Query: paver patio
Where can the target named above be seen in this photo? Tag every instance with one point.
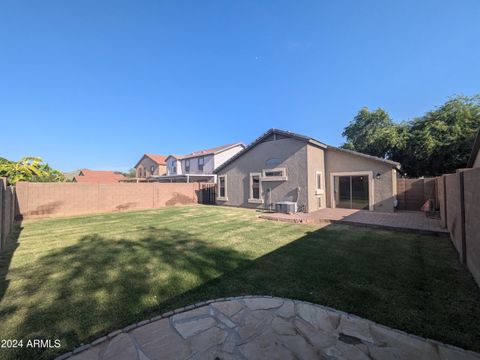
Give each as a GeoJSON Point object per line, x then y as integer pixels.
{"type": "Point", "coordinates": [263, 328]}
{"type": "Point", "coordinates": [399, 220]}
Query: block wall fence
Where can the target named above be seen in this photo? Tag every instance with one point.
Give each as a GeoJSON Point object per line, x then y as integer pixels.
{"type": "Point", "coordinates": [37, 200]}
{"type": "Point", "coordinates": [7, 211]}
{"type": "Point", "coordinates": [459, 203]}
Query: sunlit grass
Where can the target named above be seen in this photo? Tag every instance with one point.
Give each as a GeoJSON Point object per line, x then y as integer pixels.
{"type": "Point", "coordinates": [79, 278]}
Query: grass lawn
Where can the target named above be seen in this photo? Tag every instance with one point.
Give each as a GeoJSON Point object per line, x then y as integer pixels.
{"type": "Point", "coordinates": [79, 278]}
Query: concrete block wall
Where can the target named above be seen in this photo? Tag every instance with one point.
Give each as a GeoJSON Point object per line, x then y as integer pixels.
{"type": "Point", "coordinates": [459, 202]}
{"type": "Point", "coordinates": [472, 221]}
{"type": "Point", "coordinates": [454, 221]}
{"type": "Point", "coordinates": [36, 200]}
{"type": "Point", "coordinates": [7, 211]}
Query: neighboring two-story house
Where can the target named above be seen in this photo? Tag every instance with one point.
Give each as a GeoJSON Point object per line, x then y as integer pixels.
{"type": "Point", "coordinates": [149, 165]}
{"type": "Point", "coordinates": [198, 165]}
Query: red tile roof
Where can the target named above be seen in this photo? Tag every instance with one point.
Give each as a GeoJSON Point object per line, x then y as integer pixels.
{"type": "Point", "coordinates": [159, 159]}
{"type": "Point", "coordinates": [98, 176]}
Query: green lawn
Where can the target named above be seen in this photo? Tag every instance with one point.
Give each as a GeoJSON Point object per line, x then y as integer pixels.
{"type": "Point", "coordinates": [79, 278]}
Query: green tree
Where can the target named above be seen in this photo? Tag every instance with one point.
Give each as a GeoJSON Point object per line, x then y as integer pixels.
{"type": "Point", "coordinates": [374, 133]}
{"type": "Point", "coordinates": [132, 173]}
{"type": "Point", "coordinates": [436, 143]}
{"type": "Point", "coordinates": [441, 141]}
{"type": "Point", "coordinates": [28, 169]}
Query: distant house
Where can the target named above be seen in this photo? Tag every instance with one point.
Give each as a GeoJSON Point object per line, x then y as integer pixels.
{"type": "Point", "coordinates": [149, 165]}
{"type": "Point", "coordinates": [198, 166]}
{"type": "Point", "coordinates": [97, 176]}
{"type": "Point", "coordinates": [474, 160]}
{"type": "Point", "coordinates": [283, 169]}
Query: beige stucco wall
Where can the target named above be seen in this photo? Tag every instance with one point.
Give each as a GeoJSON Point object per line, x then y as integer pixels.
{"type": "Point", "coordinates": [339, 161]}
{"type": "Point", "coordinates": [292, 155]}
{"type": "Point", "coordinates": [146, 163]}
{"type": "Point", "coordinates": [316, 162]}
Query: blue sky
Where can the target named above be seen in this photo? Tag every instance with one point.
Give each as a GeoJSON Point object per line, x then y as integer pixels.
{"type": "Point", "coordinates": [98, 83]}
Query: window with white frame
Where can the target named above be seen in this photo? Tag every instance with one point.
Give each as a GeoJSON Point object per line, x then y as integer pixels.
{"type": "Point", "coordinates": [152, 169]}
{"type": "Point", "coordinates": [277, 174]}
{"type": "Point", "coordinates": [201, 161]}
{"type": "Point", "coordinates": [174, 166]}
{"type": "Point", "coordinates": [187, 165]}
{"type": "Point", "coordinates": [222, 187]}
{"type": "Point", "coordinates": [318, 182]}
{"type": "Point", "coordinates": [255, 188]}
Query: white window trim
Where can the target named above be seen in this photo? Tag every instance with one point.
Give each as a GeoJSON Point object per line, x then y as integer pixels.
{"type": "Point", "coordinates": [371, 188]}
{"type": "Point", "coordinates": [274, 178]}
{"type": "Point", "coordinates": [250, 198]}
{"type": "Point", "coordinates": [320, 190]}
{"type": "Point", "coordinates": [222, 198]}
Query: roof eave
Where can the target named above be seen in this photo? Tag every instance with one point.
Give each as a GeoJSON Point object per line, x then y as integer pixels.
{"type": "Point", "coordinates": [475, 151]}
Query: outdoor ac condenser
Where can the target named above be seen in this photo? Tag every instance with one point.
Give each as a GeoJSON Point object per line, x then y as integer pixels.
{"type": "Point", "coordinates": [287, 207]}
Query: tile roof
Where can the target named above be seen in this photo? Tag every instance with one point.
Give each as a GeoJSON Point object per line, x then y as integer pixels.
{"type": "Point", "coordinates": [299, 137]}
{"type": "Point", "coordinates": [97, 176]}
{"type": "Point", "coordinates": [159, 159]}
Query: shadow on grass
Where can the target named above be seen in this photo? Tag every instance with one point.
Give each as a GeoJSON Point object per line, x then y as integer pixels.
{"type": "Point", "coordinates": [410, 282]}
{"type": "Point", "coordinates": [6, 256]}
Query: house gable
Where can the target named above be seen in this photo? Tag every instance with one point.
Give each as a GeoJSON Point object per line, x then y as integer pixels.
{"type": "Point", "coordinates": [271, 135]}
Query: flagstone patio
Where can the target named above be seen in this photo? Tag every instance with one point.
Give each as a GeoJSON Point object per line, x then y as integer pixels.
{"type": "Point", "coordinates": [262, 328]}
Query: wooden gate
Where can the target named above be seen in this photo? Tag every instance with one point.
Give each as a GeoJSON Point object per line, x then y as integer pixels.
{"type": "Point", "coordinates": [207, 194]}
{"type": "Point", "coordinates": [413, 193]}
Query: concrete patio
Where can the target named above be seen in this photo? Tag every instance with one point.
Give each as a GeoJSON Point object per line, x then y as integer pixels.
{"type": "Point", "coordinates": [412, 221]}
{"type": "Point", "coordinates": [256, 327]}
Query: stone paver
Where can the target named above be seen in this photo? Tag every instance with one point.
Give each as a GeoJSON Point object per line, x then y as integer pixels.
{"type": "Point", "coordinates": [264, 328]}
{"type": "Point", "coordinates": [400, 220]}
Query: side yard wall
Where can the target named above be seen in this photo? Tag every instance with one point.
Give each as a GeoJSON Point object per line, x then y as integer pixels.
{"type": "Point", "coordinates": [7, 210]}
{"type": "Point", "coordinates": [65, 199]}
{"type": "Point", "coordinates": [459, 200]}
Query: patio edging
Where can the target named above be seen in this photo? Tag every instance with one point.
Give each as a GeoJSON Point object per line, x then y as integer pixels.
{"type": "Point", "coordinates": [168, 314]}
{"type": "Point", "coordinates": [354, 223]}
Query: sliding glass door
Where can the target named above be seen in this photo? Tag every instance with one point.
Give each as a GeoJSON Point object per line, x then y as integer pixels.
{"type": "Point", "coordinates": [351, 192]}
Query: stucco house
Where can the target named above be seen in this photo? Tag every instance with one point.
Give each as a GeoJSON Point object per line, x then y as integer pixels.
{"type": "Point", "coordinates": [151, 164]}
{"type": "Point", "coordinates": [281, 166]}
{"type": "Point", "coordinates": [474, 160]}
{"type": "Point", "coordinates": [199, 165]}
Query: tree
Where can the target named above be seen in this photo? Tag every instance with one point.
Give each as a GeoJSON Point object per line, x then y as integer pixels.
{"type": "Point", "coordinates": [28, 169]}
{"type": "Point", "coordinates": [132, 173]}
{"type": "Point", "coordinates": [374, 133]}
{"type": "Point", "coordinates": [436, 143]}
{"type": "Point", "coordinates": [441, 141]}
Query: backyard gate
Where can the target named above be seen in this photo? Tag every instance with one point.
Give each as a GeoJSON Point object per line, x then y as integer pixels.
{"type": "Point", "coordinates": [207, 194]}
{"type": "Point", "coordinates": [413, 193]}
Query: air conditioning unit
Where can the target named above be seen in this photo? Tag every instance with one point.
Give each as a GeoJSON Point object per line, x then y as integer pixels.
{"type": "Point", "coordinates": [286, 207]}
